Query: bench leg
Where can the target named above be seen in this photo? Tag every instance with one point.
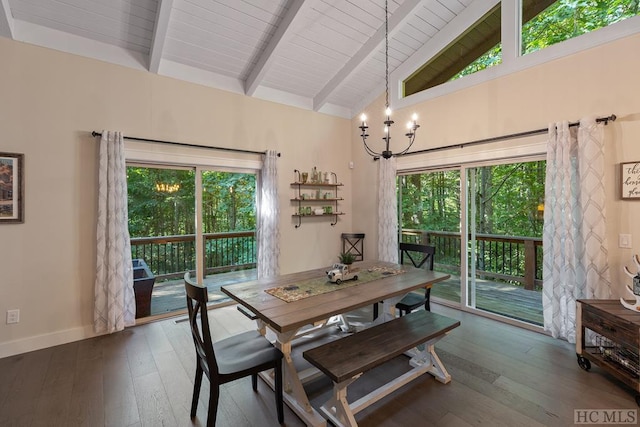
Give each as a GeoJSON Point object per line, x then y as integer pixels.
{"type": "Point", "coordinates": [428, 356]}
{"type": "Point", "coordinates": [294, 394]}
{"type": "Point", "coordinates": [321, 324]}
{"type": "Point", "coordinates": [388, 311]}
{"type": "Point", "coordinates": [343, 323]}
{"type": "Point", "coordinates": [337, 408]}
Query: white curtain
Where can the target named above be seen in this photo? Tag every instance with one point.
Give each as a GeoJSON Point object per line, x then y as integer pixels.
{"type": "Point", "coordinates": [574, 235]}
{"type": "Point", "coordinates": [387, 211]}
{"type": "Point", "coordinates": [114, 298]}
{"type": "Point", "coordinates": [268, 233]}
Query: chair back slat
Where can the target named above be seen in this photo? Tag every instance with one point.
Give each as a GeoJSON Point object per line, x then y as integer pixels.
{"type": "Point", "coordinates": [353, 243]}
{"type": "Point", "coordinates": [197, 297]}
{"type": "Point", "coordinates": [427, 252]}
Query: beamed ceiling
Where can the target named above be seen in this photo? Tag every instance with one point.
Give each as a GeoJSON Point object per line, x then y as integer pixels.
{"type": "Point", "coordinates": [324, 55]}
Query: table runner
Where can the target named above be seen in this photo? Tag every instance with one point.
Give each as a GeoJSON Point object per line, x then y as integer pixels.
{"type": "Point", "coordinates": [322, 285]}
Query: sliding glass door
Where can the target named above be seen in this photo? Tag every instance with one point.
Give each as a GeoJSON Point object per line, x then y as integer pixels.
{"type": "Point", "coordinates": [485, 221]}
{"type": "Point", "coordinates": [191, 219]}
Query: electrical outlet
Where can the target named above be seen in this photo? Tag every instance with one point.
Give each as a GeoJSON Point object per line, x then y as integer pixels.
{"type": "Point", "coordinates": [13, 316]}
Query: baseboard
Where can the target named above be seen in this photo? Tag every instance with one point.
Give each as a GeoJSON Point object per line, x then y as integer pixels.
{"type": "Point", "coordinates": [38, 342]}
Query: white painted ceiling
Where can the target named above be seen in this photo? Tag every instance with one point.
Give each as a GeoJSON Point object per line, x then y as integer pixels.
{"type": "Point", "coordinates": [324, 55]}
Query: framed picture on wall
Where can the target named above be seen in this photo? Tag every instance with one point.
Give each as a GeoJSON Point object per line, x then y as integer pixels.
{"type": "Point", "coordinates": [630, 181]}
{"type": "Point", "coordinates": [11, 188]}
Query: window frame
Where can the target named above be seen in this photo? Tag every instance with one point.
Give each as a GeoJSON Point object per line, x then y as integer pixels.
{"type": "Point", "coordinates": [512, 59]}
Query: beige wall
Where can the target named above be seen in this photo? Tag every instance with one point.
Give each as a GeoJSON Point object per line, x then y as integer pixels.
{"type": "Point", "coordinates": [599, 81]}
{"type": "Point", "coordinates": [50, 103]}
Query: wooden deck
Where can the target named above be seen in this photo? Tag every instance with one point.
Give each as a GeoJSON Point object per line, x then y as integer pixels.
{"type": "Point", "coordinates": [507, 300]}
{"type": "Point", "coordinates": [169, 296]}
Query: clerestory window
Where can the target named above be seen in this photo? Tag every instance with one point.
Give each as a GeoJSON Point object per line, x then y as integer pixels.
{"type": "Point", "coordinates": [563, 20]}
{"type": "Point", "coordinates": [544, 23]}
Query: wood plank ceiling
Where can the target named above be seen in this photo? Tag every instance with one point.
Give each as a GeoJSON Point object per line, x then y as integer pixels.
{"type": "Point", "coordinates": [325, 55]}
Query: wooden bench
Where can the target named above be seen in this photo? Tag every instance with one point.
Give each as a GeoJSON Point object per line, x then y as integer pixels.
{"type": "Point", "coordinates": [346, 359]}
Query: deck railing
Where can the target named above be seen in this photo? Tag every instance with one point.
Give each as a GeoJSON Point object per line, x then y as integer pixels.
{"type": "Point", "coordinates": [169, 257]}
{"type": "Point", "coordinates": [506, 258]}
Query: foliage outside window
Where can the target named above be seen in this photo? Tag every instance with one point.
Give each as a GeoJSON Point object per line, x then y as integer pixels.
{"type": "Point", "coordinates": [545, 23]}
{"type": "Point", "coordinates": [563, 20]}
{"type": "Point", "coordinates": [228, 201]}
{"type": "Point", "coordinates": [430, 208]}
{"type": "Point", "coordinates": [431, 201]}
{"type": "Point", "coordinates": [508, 203]}
{"type": "Point", "coordinates": [162, 201]}
{"type": "Point", "coordinates": [509, 199]}
{"type": "Point", "coordinates": [489, 59]}
{"type": "Point", "coordinates": [162, 220]}
{"type": "Point", "coordinates": [566, 19]}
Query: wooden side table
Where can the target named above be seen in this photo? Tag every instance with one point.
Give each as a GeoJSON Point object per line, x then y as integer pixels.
{"type": "Point", "coordinates": [615, 343]}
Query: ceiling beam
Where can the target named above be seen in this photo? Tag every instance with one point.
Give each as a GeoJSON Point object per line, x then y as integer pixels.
{"type": "Point", "coordinates": [266, 58]}
{"type": "Point", "coordinates": [365, 52]}
{"type": "Point", "coordinates": [160, 34]}
{"type": "Point", "coordinates": [6, 20]}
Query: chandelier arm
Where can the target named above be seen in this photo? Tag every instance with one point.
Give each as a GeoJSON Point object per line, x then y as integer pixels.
{"type": "Point", "coordinates": [369, 150]}
{"type": "Point", "coordinates": [411, 139]}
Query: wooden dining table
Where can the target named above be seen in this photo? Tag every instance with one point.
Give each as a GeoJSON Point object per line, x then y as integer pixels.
{"type": "Point", "coordinates": [289, 320]}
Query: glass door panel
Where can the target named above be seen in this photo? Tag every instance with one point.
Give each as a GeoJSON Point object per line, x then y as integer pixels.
{"type": "Point", "coordinates": [430, 214]}
{"type": "Point", "coordinates": [505, 218]}
{"type": "Point", "coordinates": [162, 224]}
{"type": "Point", "coordinates": [161, 209]}
{"type": "Point", "coordinates": [228, 218]}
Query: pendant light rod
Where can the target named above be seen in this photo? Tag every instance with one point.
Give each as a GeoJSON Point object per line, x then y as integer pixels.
{"type": "Point", "coordinates": [412, 125]}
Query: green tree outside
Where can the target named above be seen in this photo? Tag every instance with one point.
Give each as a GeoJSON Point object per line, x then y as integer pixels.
{"type": "Point", "coordinates": [563, 20]}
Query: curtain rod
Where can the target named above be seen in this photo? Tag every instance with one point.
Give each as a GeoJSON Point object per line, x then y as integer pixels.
{"type": "Point", "coordinates": [604, 120]}
{"type": "Point", "coordinates": [184, 144]}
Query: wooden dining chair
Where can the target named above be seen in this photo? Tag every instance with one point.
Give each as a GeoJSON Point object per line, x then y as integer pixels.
{"type": "Point", "coordinates": [227, 360]}
{"type": "Point", "coordinates": [419, 255]}
{"type": "Point", "coordinates": [423, 254]}
{"type": "Point", "coordinates": [353, 243]}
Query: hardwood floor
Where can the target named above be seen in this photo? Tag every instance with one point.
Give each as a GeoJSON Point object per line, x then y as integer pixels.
{"type": "Point", "coordinates": [143, 376]}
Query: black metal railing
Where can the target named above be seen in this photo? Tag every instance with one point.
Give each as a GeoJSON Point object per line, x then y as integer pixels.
{"type": "Point", "coordinates": [169, 257]}
{"type": "Point", "coordinates": [505, 258]}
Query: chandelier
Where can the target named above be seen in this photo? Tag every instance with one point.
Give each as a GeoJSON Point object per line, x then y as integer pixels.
{"type": "Point", "coordinates": [167, 188]}
{"type": "Point", "coordinates": [412, 126]}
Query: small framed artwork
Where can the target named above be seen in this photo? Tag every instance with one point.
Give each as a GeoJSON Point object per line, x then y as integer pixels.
{"type": "Point", "coordinates": [630, 180]}
{"type": "Point", "coordinates": [11, 188]}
